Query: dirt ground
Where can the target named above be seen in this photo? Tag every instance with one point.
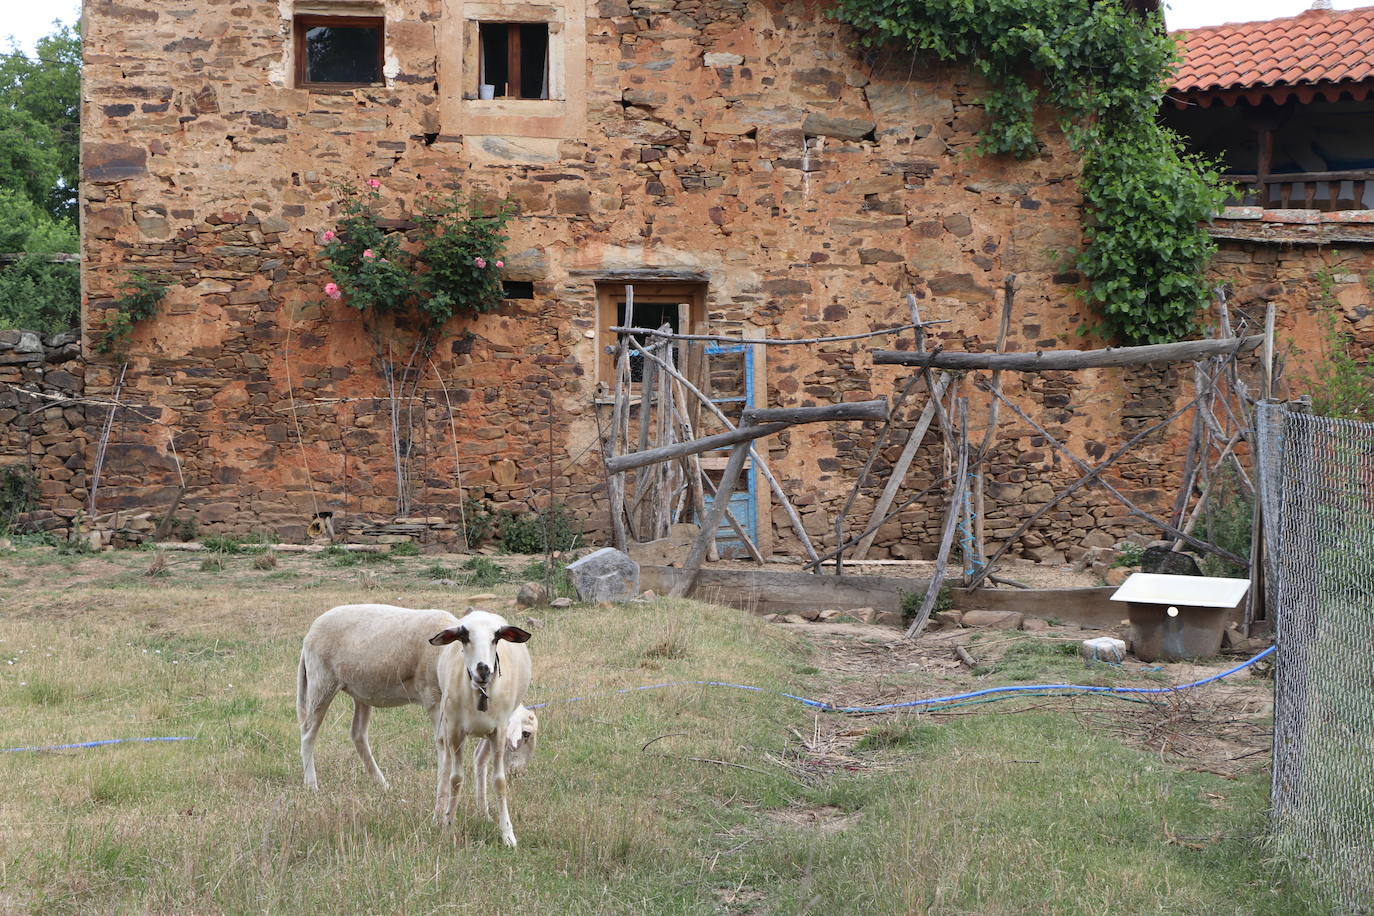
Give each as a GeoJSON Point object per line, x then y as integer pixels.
{"type": "Point", "coordinates": [1224, 727]}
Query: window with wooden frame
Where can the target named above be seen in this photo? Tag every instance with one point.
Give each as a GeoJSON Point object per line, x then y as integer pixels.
{"type": "Point", "coordinates": [681, 306]}
{"type": "Point", "coordinates": [339, 52]}
{"type": "Point", "coordinates": [513, 60]}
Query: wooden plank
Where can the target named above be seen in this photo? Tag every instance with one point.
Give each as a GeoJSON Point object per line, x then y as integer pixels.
{"type": "Point", "coordinates": [1047, 360]}
{"type": "Point", "coordinates": [765, 591]}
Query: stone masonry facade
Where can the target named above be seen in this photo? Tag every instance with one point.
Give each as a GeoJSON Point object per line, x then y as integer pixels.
{"type": "Point", "coordinates": [745, 147]}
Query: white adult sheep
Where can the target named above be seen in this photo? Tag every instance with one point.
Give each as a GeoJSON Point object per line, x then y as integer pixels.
{"type": "Point", "coordinates": [380, 655]}
{"type": "Point", "coordinates": [482, 680]}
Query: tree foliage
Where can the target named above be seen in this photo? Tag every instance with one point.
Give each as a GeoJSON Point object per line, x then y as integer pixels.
{"type": "Point", "coordinates": [40, 126]}
{"type": "Point", "coordinates": [1104, 69]}
{"type": "Point", "coordinates": [39, 144]}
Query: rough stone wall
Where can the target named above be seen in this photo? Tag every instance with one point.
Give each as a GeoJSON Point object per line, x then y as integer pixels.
{"type": "Point", "coordinates": [1309, 265]}
{"type": "Point", "coordinates": [745, 142]}
{"type": "Point", "coordinates": [42, 430]}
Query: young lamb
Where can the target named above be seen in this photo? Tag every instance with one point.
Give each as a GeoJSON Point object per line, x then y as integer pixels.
{"type": "Point", "coordinates": [381, 656]}
{"type": "Point", "coordinates": [378, 654]}
{"type": "Point", "coordinates": [482, 680]}
{"type": "Point", "coordinates": [522, 736]}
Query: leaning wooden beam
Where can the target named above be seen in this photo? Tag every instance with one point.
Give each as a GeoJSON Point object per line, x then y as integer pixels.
{"type": "Point", "coordinates": [771, 341]}
{"type": "Point", "coordinates": [1050, 360]}
{"type": "Point", "coordinates": [759, 461]}
{"type": "Point", "coordinates": [621, 463]}
{"type": "Point", "coordinates": [854, 410]}
{"type": "Point", "coordinates": [897, 476]}
{"type": "Point", "coordinates": [711, 522]}
{"type": "Point", "coordinates": [956, 508]}
{"type": "Point", "coordinates": [879, 443]}
{"type": "Point", "coordinates": [758, 423]}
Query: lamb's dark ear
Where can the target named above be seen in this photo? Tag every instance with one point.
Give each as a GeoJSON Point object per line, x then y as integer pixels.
{"type": "Point", "coordinates": [444, 637]}
{"type": "Point", "coordinates": [512, 634]}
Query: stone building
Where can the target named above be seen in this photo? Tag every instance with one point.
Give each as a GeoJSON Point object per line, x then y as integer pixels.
{"type": "Point", "coordinates": [741, 162]}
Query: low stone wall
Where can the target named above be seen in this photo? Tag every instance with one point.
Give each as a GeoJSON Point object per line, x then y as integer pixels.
{"type": "Point", "coordinates": [43, 422]}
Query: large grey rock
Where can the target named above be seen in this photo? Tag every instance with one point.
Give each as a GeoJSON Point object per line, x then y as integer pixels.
{"type": "Point", "coordinates": [606, 575]}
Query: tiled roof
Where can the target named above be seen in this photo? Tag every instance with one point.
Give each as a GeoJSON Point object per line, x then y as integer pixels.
{"type": "Point", "coordinates": [1316, 48]}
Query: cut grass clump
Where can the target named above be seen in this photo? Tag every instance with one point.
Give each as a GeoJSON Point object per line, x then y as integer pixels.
{"type": "Point", "coordinates": [900, 736]}
{"type": "Point", "coordinates": [1044, 660]}
{"type": "Point", "coordinates": [482, 572]}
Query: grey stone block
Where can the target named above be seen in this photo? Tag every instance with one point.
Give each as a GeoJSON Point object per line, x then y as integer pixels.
{"type": "Point", "coordinates": [606, 575]}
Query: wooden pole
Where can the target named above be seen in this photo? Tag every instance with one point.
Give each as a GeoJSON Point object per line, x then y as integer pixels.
{"type": "Point", "coordinates": [615, 484]}
{"type": "Point", "coordinates": [758, 423]}
{"type": "Point", "coordinates": [956, 508]}
{"type": "Point", "coordinates": [852, 410]}
{"type": "Point", "coordinates": [1068, 360]}
{"type": "Point", "coordinates": [712, 520]}
{"type": "Point", "coordinates": [767, 341]}
{"type": "Point", "coordinates": [898, 474]}
{"type": "Point", "coordinates": [979, 508]}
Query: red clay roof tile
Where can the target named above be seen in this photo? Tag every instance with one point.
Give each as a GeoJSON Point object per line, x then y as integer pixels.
{"type": "Point", "coordinates": [1318, 46]}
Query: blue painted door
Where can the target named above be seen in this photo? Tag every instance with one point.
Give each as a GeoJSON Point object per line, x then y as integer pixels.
{"type": "Point", "coordinates": [743, 502]}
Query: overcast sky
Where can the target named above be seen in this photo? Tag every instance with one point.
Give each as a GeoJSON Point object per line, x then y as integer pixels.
{"type": "Point", "coordinates": [27, 20]}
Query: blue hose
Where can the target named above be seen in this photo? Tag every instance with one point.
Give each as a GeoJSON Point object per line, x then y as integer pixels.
{"type": "Point", "coordinates": [828, 707]}
{"type": "Point", "coordinates": [64, 747]}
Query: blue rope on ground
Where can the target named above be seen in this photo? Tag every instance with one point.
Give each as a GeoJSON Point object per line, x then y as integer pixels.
{"type": "Point", "coordinates": [64, 747]}
{"type": "Point", "coordinates": [931, 701]}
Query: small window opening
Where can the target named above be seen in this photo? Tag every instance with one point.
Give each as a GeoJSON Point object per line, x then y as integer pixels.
{"type": "Point", "coordinates": [517, 289]}
{"type": "Point", "coordinates": [514, 60]}
{"type": "Point", "coordinates": [649, 315]}
{"type": "Point", "coordinates": [339, 51]}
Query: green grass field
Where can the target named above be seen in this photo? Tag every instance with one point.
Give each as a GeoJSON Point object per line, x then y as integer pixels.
{"type": "Point", "coordinates": [1009, 808]}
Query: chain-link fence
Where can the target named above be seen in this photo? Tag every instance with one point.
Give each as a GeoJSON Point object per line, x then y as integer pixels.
{"type": "Point", "coordinates": [1318, 481]}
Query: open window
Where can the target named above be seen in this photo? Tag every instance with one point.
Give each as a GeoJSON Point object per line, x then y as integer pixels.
{"type": "Point", "coordinates": [513, 60]}
{"type": "Point", "coordinates": [339, 52]}
{"type": "Point", "coordinates": [514, 70]}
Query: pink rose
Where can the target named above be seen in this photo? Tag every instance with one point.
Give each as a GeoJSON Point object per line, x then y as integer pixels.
{"type": "Point", "coordinates": [332, 291]}
{"type": "Point", "coordinates": [373, 183]}
{"type": "Point", "coordinates": [329, 235]}
{"type": "Point", "coordinates": [367, 253]}
{"type": "Point", "coordinates": [385, 261]}
{"type": "Point", "coordinates": [480, 262]}
{"type": "Point", "coordinates": [500, 263]}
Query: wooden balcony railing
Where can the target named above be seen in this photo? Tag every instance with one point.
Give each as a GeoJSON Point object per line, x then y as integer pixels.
{"type": "Point", "coordinates": [1306, 190]}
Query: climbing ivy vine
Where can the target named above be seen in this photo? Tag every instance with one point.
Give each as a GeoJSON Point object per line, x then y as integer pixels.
{"type": "Point", "coordinates": [1104, 68]}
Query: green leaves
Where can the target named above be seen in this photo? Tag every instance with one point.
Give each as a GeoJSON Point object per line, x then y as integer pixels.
{"type": "Point", "coordinates": [139, 299]}
{"type": "Point", "coordinates": [1105, 68]}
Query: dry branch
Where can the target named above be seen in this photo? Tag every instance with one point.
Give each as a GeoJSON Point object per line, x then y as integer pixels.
{"type": "Point", "coordinates": [1048, 360]}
